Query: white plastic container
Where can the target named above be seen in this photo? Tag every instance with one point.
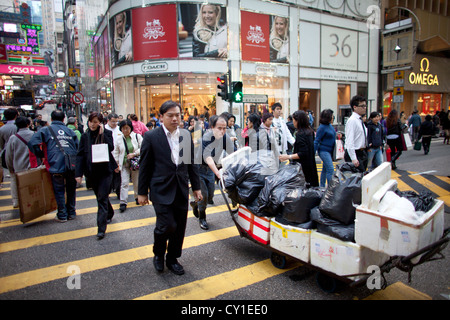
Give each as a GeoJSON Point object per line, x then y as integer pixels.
{"type": "Point", "coordinates": [342, 258]}
{"type": "Point", "coordinates": [290, 240]}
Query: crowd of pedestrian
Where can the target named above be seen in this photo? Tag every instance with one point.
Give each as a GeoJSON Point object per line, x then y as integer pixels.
{"type": "Point", "coordinates": [113, 152]}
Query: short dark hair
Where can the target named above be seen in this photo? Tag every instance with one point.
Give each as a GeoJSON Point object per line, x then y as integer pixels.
{"type": "Point", "coordinates": [276, 104]}
{"type": "Point", "coordinates": [22, 122]}
{"type": "Point", "coordinates": [373, 114]}
{"type": "Point", "coordinates": [112, 115]}
{"type": "Point", "coordinates": [266, 115]}
{"type": "Point", "coordinates": [126, 122]}
{"type": "Point", "coordinates": [10, 114]}
{"type": "Point", "coordinates": [213, 120]}
{"type": "Point", "coordinates": [326, 116]}
{"type": "Point", "coordinates": [57, 115]}
{"type": "Point", "coordinates": [356, 100]}
{"type": "Point", "coordinates": [97, 115]}
{"type": "Point", "coordinates": [168, 105]}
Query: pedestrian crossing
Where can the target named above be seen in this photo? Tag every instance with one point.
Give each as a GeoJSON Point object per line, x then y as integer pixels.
{"type": "Point", "coordinates": [35, 257]}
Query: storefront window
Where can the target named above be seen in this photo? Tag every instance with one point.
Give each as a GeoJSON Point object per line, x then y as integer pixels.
{"type": "Point", "coordinates": [197, 91]}
{"type": "Point", "coordinates": [276, 89]}
{"type": "Point", "coordinates": [429, 103]}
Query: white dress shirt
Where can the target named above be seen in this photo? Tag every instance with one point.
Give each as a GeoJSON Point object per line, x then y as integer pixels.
{"type": "Point", "coordinates": [174, 142]}
{"type": "Point", "coordinates": [355, 135]}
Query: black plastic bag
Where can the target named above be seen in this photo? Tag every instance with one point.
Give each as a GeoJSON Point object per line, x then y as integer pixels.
{"type": "Point", "coordinates": [244, 180]}
{"type": "Point", "coordinates": [298, 204]}
{"type": "Point", "coordinates": [306, 225]}
{"type": "Point", "coordinates": [277, 186]}
{"type": "Point", "coordinates": [423, 201]}
{"type": "Point", "coordinates": [343, 194]}
{"type": "Point", "coordinates": [331, 227]}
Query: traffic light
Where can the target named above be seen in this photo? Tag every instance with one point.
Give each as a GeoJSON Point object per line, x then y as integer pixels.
{"type": "Point", "coordinates": [223, 86]}
{"type": "Point", "coordinates": [237, 95]}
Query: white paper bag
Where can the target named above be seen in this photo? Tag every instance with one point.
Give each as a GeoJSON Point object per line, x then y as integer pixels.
{"type": "Point", "coordinates": [408, 142]}
{"type": "Point", "coordinates": [339, 151]}
{"type": "Point", "coordinates": [100, 153]}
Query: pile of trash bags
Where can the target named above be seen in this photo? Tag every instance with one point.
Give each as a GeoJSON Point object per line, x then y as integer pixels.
{"type": "Point", "coordinates": [284, 194]}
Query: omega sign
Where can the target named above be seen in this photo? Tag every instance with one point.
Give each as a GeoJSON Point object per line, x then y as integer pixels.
{"type": "Point", "coordinates": [424, 77]}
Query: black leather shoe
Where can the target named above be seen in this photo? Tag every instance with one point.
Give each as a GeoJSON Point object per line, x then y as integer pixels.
{"type": "Point", "coordinates": [175, 267]}
{"type": "Point", "coordinates": [122, 207]}
{"type": "Point", "coordinates": [194, 208]}
{"type": "Point", "coordinates": [158, 262]}
{"type": "Point", "coordinates": [203, 224]}
{"type": "Point", "coordinates": [100, 235]}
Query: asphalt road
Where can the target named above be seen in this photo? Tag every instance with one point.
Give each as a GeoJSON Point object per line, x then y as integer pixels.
{"type": "Point", "coordinates": [37, 260]}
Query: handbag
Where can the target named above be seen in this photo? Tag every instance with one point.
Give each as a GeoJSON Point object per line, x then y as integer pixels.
{"type": "Point", "coordinates": [417, 145]}
{"type": "Point", "coordinates": [70, 160]}
{"type": "Point", "coordinates": [134, 162]}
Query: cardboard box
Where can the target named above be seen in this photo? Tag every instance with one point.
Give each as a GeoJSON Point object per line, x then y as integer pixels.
{"type": "Point", "coordinates": [398, 238]}
{"type": "Point", "coordinates": [342, 258]}
{"type": "Point", "coordinates": [35, 192]}
{"type": "Point", "coordinates": [290, 240]}
{"type": "Point", "coordinates": [256, 227]}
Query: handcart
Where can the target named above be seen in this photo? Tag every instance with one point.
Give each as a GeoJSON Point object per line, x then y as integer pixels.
{"type": "Point", "coordinates": [330, 281]}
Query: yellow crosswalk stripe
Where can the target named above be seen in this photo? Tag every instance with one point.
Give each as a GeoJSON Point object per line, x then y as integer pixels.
{"type": "Point", "coordinates": [217, 285]}
{"type": "Point", "coordinates": [87, 232]}
{"type": "Point", "coordinates": [43, 275]}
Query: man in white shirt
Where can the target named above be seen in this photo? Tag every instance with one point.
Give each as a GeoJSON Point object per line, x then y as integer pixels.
{"type": "Point", "coordinates": [282, 133]}
{"type": "Point", "coordinates": [113, 120]}
{"type": "Point", "coordinates": [356, 134]}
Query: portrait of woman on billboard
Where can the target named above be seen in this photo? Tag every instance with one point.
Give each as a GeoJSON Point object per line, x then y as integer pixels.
{"type": "Point", "coordinates": [120, 27]}
{"type": "Point", "coordinates": [279, 40]}
{"type": "Point", "coordinates": [210, 33]}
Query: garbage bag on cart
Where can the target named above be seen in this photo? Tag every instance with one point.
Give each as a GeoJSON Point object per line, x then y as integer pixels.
{"type": "Point", "coordinates": [298, 204]}
{"type": "Point", "coordinates": [244, 180]}
{"type": "Point", "coordinates": [422, 201]}
{"type": "Point", "coordinates": [277, 186]}
{"type": "Point", "coordinates": [331, 227]}
{"type": "Point", "coordinates": [343, 194]}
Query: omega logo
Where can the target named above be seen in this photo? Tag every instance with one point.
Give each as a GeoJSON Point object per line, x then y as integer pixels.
{"type": "Point", "coordinates": [424, 78]}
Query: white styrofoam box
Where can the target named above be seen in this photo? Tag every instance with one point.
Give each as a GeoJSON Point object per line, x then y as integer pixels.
{"type": "Point", "coordinates": [374, 203]}
{"type": "Point", "coordinates": [342, 258]}
{"type": "Point", "coordinates": [394, 237]}
{"type": "Point", "coordinates": [373, 181]}
{"type": "Point", "coordinates": [256, 227]}
{"type": "Point", "coordinates": [290, 240]}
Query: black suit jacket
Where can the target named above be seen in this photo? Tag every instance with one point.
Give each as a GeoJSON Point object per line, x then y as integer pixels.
{"type": "Point", "coordinates": [160, 174]}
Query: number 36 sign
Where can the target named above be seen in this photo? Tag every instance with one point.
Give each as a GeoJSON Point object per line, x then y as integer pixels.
{"type": "Point", "coordinates": [339, 48]}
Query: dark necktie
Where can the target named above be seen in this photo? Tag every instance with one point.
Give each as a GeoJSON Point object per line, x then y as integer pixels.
{"type": "Point", "coordinates": [364, 130]}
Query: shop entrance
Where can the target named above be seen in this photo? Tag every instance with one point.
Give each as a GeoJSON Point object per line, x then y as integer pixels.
{"type": "Point", "coordinates": [154, 93]}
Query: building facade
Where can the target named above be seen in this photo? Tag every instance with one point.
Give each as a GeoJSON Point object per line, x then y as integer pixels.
{"type": "Point", "coordinates": [416, 57]}
{"type": "Point", "coordinates": [308, 55]}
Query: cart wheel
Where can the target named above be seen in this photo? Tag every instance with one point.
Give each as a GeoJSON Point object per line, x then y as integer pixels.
{"type": "Point", "coordinates": [278, 260]}
{"type": "Point", "coordinates": [327, 283]}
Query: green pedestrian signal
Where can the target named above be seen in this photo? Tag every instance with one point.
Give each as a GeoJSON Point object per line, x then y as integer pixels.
{"type": "Point", "coordinates": [237, 95]}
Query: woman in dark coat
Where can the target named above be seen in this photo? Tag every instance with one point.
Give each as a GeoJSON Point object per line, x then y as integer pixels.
{"type": "Point", "coordinates": [426, 131]}
{"type": "Point", "coordinates": [304, 148]}
{"type": "Point", "coordinates": [99, 174]}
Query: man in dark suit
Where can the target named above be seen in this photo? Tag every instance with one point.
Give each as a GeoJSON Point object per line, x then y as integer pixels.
{"type": "Point", "coordinates": [166, 166]}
